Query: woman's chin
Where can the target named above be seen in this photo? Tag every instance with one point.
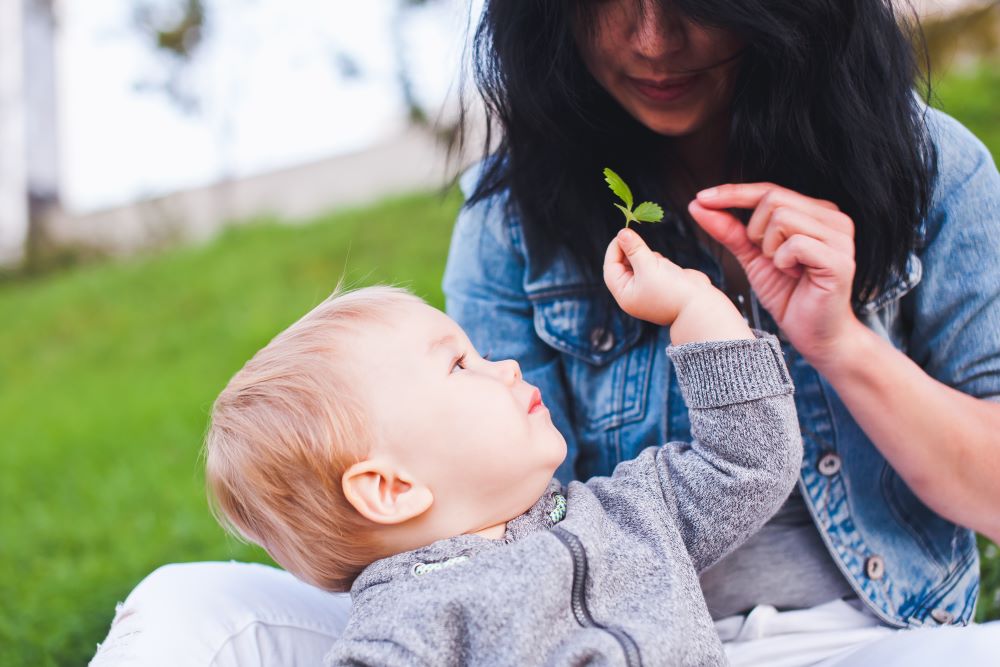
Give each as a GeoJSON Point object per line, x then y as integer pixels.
{"type": "Point", "coordinates": [678, 121]}
{"type": "Point", "coordinates": [670, 124]}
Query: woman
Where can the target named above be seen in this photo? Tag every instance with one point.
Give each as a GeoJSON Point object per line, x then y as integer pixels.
{"type": "Point", "coordinates": [870, 247]}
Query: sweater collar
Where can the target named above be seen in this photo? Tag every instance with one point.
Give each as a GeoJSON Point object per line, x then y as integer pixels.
{"type": "Point", "coordinates": [548, 510]}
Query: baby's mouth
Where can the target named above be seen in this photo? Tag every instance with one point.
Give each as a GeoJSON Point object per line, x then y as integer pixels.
{"type": "Point", "coordinates": [535, 403]}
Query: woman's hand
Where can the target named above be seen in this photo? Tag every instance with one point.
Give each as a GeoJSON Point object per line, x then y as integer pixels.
{"type": "Point", "coordinates": [798, 255]}
{"type": "Point", "coordinates": [650, 287]}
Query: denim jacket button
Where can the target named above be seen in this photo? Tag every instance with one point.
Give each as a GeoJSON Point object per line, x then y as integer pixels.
{"type": "Point", "coordinates": [829, 464]}
{"type": "Point", "coordinates": [942, 616]}
{"type": "Point", "coordinates": [875, 567]}
{"type": "Point", "coordinates": [601, 339]}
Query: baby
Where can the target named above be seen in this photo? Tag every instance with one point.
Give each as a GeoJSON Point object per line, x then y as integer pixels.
{"type": "Point", "coordinates": [369, 447]}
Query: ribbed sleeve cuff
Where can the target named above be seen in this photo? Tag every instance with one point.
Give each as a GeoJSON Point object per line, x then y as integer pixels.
{"type": "Point", "coordinates": [720, 373]}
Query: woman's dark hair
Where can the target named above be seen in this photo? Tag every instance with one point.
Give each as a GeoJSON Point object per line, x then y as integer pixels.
{"type": "Point", "coordinates": [823, 104]}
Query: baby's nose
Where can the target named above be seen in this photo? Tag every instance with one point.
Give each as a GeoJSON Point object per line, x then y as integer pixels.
{"type": "Point", "coordinates": [510, 370]}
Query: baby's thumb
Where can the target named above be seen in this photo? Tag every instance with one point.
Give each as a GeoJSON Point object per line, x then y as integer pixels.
{"type": "Point", "coordinates": [634, 247]}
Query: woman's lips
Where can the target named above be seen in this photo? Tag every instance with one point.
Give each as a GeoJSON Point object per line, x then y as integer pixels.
{"type": "Point", "coordinates": [664, 90]}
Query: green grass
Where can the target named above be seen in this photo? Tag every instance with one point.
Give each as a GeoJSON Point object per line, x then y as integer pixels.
{"type": "Point", "coordinates": [108, 372]}
{"type": "Point", "coordinates": [974, 98]}
{"type": "Point", "coordinates": [106, 380]}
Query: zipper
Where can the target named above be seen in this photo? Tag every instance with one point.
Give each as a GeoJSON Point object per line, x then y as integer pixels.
{"type": "Point", "coordinates": [579, 603]}
{"type": "Point", "coordinates": [755, 311]}
{"type": "Point", "coordinates": [751, 316]}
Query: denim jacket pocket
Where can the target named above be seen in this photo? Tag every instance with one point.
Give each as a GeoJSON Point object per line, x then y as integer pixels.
{"type": "Point", "coordinates": [592, 332]}
{"type": "Point", "coordinates": [606, 370]}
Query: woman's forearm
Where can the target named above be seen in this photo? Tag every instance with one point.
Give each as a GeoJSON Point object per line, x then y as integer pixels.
{"type": "Point", "coordinates": [943, 443]}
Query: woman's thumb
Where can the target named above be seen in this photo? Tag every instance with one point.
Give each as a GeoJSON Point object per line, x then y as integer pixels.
{"type": "Point", "coordinates": [726, 229]}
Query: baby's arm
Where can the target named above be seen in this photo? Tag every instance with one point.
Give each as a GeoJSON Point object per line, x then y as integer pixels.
{"type": "Point", "coordinates": [395, 635]}
{"type": "Point", "coordinates": [746, 448]}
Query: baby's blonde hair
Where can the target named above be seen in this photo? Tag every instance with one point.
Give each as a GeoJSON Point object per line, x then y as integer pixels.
{"type": "Point", "coordinates": [284, 431]}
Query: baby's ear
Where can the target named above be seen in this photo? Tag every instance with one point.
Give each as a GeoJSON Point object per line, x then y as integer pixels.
{"type": "Point", "coordinates": [382, 493]}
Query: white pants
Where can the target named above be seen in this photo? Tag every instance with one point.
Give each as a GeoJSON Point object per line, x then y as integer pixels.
{"type": "Point", "coordinates": [844, 634]}
{"type": "Point", "coordinates": [221, 614]}
{"type": "Point", "coordinates": [246, 615]}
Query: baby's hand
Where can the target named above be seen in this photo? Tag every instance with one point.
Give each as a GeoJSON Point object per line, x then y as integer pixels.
{"type": "Point", "coordinates": [646, 284]}
{"type": "Point", "coordinates": [650, 287]}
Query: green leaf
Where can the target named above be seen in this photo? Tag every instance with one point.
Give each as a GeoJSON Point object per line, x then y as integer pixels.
{"type": "Point", "coordinates": [618, 186]}
{"type": "Point", "coordinates": [628, 214]}
{"type": "Point", "coordinates": [647, 211]}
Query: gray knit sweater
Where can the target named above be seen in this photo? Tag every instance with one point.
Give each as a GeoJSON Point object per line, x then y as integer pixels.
{"type": "Point", "coordinates": [606, 572]}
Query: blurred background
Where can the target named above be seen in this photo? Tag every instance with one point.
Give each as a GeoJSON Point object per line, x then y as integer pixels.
{"type": "Point", "coordinates": [180, 180]}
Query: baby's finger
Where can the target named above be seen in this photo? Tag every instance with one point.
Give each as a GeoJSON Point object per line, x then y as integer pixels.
{"type": "Point", "coordinates": [635, 249]}
{"type": "Point", "coordinates": [614, 254]}
{"type": "Point", "coordinates": [617, 270]}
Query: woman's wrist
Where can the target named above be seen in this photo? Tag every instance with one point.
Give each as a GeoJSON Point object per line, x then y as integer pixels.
{"type": "Point", "coordinates": [848, 354]}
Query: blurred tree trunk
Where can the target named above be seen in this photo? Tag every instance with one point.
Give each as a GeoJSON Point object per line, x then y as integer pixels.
{"type": "Point", "coordinates": [182, 33]}
{"type": "Point", "coordinates": [13, 177]}
{"type": "Point", "coordinates": [41, 120]}
{"type": "Point", "coordinates": [414, 110]}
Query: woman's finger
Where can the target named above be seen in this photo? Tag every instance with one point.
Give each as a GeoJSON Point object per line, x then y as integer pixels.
{"type": "Point", "coordinates": [749, 195]}
{"type": "Point", "coordinates": [781, 198]}
{"type": "Point", "coordinates": [727, 230]}
{"type": "Point", "coordinates": [786, 222]}
{"type": "Point", "coordinates": [764, 198]}
{"type": "Point", "coordinates": [827, 268]}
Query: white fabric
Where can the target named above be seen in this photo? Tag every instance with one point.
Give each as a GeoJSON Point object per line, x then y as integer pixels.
{"type": "Point", "coordinates": [221, 615]}
{"type": "Point", "coordinates": [248, 615]}
{"type": "Point", "coordinates": [844, 634]}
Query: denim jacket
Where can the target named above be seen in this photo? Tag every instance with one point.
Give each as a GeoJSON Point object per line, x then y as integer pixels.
{"type": "Point", "coordinates": [612, 394]}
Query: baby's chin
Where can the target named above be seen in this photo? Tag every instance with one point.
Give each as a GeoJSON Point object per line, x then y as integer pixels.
{"type": "Point", "coordinates": [490, 502]}
{"type": "Point", "coordinates": [532, 492]}
{"type": "Point", "coordinates": [548, 455]}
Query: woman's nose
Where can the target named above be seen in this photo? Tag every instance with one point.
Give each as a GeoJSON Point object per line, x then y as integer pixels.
{"type": "Point", "coordinates": [658, 30]}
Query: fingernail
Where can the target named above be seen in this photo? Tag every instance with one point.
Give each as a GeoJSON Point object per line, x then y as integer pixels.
{"type": "Point", "coordinates": [710, 193]}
